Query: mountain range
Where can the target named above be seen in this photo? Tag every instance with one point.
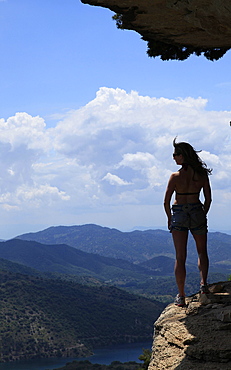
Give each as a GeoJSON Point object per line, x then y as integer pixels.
{"type": "Point", "coordinates": [59, 287]}
{"type": "Point", "coordinates": [151, 275]}
{"type": "Point", "coordinates": [63, 259]}
{"type": "Point", "coordinates": [136, 246]}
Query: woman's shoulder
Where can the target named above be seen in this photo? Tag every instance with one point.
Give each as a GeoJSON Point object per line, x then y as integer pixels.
{"type": "Point", "coordinates": [175, 174]}
{"type": "Point", "coordinates": [174, 177]}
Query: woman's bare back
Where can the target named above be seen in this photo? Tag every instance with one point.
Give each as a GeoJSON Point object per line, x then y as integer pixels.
{"type": "Point", "coordinates": [188, 185]}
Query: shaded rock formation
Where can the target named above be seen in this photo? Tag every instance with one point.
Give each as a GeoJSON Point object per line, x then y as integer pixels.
{"type": "Point", "coordinates": [197, 336]}
{"type": "Point", "coordinates": [174, 29]}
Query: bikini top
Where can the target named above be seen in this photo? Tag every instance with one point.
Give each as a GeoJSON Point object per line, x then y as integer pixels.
{"type": "Point", "coordinates": [188, 193]}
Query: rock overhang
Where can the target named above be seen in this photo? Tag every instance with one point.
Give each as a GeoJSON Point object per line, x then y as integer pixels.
{"type": "Point", "coordinates": [175, 29]}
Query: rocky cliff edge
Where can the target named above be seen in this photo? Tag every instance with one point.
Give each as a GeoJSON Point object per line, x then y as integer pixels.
{"type": "Point", "coordinates": [197, 336]}
{"type": "Point", "coordinates": [175, 29]}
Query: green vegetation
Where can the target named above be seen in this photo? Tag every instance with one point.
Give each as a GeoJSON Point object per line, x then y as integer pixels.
{"type": "Point", "coordinates": [87, 365]}
{"type": "Point", "coordinates": [136, 246]}
{"type": "Point", "coordinates": [64, 259]}
{"type": "Point", "coordinates": [115, 365]}
{"type": "Point", "coordinates": [41, 317]}
{"type": "Point", "coordinates": [145, 357]}
{"type": "Point", "coordinates": [164, 49]}
{"type": "Point", "coordinates": [164, 289]}
{"type": "Point", "coordinates": [57, 301]}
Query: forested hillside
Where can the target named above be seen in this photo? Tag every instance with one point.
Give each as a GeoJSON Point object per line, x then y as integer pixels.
{"type": "Point", "coordinates": [115, 365]}
{"type": "Point", "coordinates": [145, 278]}
{"type": "Point", "coordinates": [44, 317]}
{"type": "Point", "coordinates": [64, 259]}
{"type": "Point", "coordinates": [136, 246]}
{"type": "Point", "coordinates": [59, 300]}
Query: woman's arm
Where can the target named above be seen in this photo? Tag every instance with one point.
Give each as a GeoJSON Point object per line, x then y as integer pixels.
{"type": "Point", "coordinates": [207, 194]}
{"type": "Point", "coordinates": [167, 199]}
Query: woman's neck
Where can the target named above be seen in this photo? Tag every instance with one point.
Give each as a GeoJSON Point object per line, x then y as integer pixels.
{"type": "Point", "coordinates": [184, 166]}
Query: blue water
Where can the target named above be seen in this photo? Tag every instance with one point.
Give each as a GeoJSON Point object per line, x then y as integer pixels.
{"type": "Point", "coordinates": [122, 353]}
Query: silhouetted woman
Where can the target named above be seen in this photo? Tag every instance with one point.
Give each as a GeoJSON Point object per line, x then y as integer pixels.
{"type": "Point", "coordinates": [188, 213]}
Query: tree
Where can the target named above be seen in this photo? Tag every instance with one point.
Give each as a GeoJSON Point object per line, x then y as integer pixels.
{"type": "Point", "coordinates": [146, 357]}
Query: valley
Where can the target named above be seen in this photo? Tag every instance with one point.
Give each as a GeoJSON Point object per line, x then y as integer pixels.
{"type": "Point", "coordinates": [61, 300]}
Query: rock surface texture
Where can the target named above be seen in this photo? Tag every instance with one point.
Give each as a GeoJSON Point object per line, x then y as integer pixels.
{"type": "Point", "coordinates": [197, 336]}
{"type": "Point", "coordinates": [175, 29]}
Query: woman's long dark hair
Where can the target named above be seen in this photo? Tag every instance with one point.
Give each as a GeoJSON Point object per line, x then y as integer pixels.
{"type": "Point", "coordinates": [191, 157]}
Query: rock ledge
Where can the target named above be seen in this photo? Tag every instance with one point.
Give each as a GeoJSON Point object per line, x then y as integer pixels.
{"type": "Point", "coordinates": [174, 29]}
{"type": "Point", "coordinates": [197, 336]}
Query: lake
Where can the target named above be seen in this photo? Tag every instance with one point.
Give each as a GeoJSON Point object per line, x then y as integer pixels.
{"type": "Point", "coordinates": [122, 353]}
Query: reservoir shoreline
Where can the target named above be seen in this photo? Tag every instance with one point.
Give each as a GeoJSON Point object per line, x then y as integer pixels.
{"type": "Point", "coordinates": [104, 356]}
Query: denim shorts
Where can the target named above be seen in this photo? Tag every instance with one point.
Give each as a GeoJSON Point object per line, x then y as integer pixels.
{"type": "Point", "coordinates": [190, 216]}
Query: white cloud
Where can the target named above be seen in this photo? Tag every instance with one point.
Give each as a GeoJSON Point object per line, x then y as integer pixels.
{"type": "Point", "coordinates": [115, 180]}
{"type": "Point", "coordinates": [23, 129]}
{"type": "Point", "coordinates": [115, 150]}
{"type": "Point", "coordinates": [137, 161]}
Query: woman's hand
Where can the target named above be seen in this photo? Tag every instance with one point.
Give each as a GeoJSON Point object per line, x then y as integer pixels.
{"type": "Point", "coordinates": [168, 195]}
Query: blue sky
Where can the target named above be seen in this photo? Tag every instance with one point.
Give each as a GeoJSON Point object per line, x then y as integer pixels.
{"type": "Point", "coordinates": [87, 120]}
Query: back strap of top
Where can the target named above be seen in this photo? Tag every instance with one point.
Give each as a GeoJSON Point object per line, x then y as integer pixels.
{"type": "Point", "coordinates": [188, 193]}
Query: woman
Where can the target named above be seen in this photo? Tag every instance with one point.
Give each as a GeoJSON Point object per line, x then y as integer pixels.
{"type": "Point", "coordinates": [188, 213]}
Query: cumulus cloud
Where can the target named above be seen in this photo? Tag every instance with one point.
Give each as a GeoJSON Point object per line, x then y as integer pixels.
{"type": "Point", "coordinates": [116, 149]}
{"type": "Point", "coordinates": [115, 180]}
{"type": "Point", "coordinates": [23, 129]}
{"type": "Point", "coordinates": [137, 161]}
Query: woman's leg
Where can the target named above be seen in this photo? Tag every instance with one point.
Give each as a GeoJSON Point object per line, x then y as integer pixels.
{"type": "Point", "coordinates": [203, 261]}
{"type": "Point", "coordinates": [180, 239]}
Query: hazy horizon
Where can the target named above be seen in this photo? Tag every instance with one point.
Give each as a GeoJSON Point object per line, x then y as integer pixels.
{"type": "Point", "coordinates": [35, 229]}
